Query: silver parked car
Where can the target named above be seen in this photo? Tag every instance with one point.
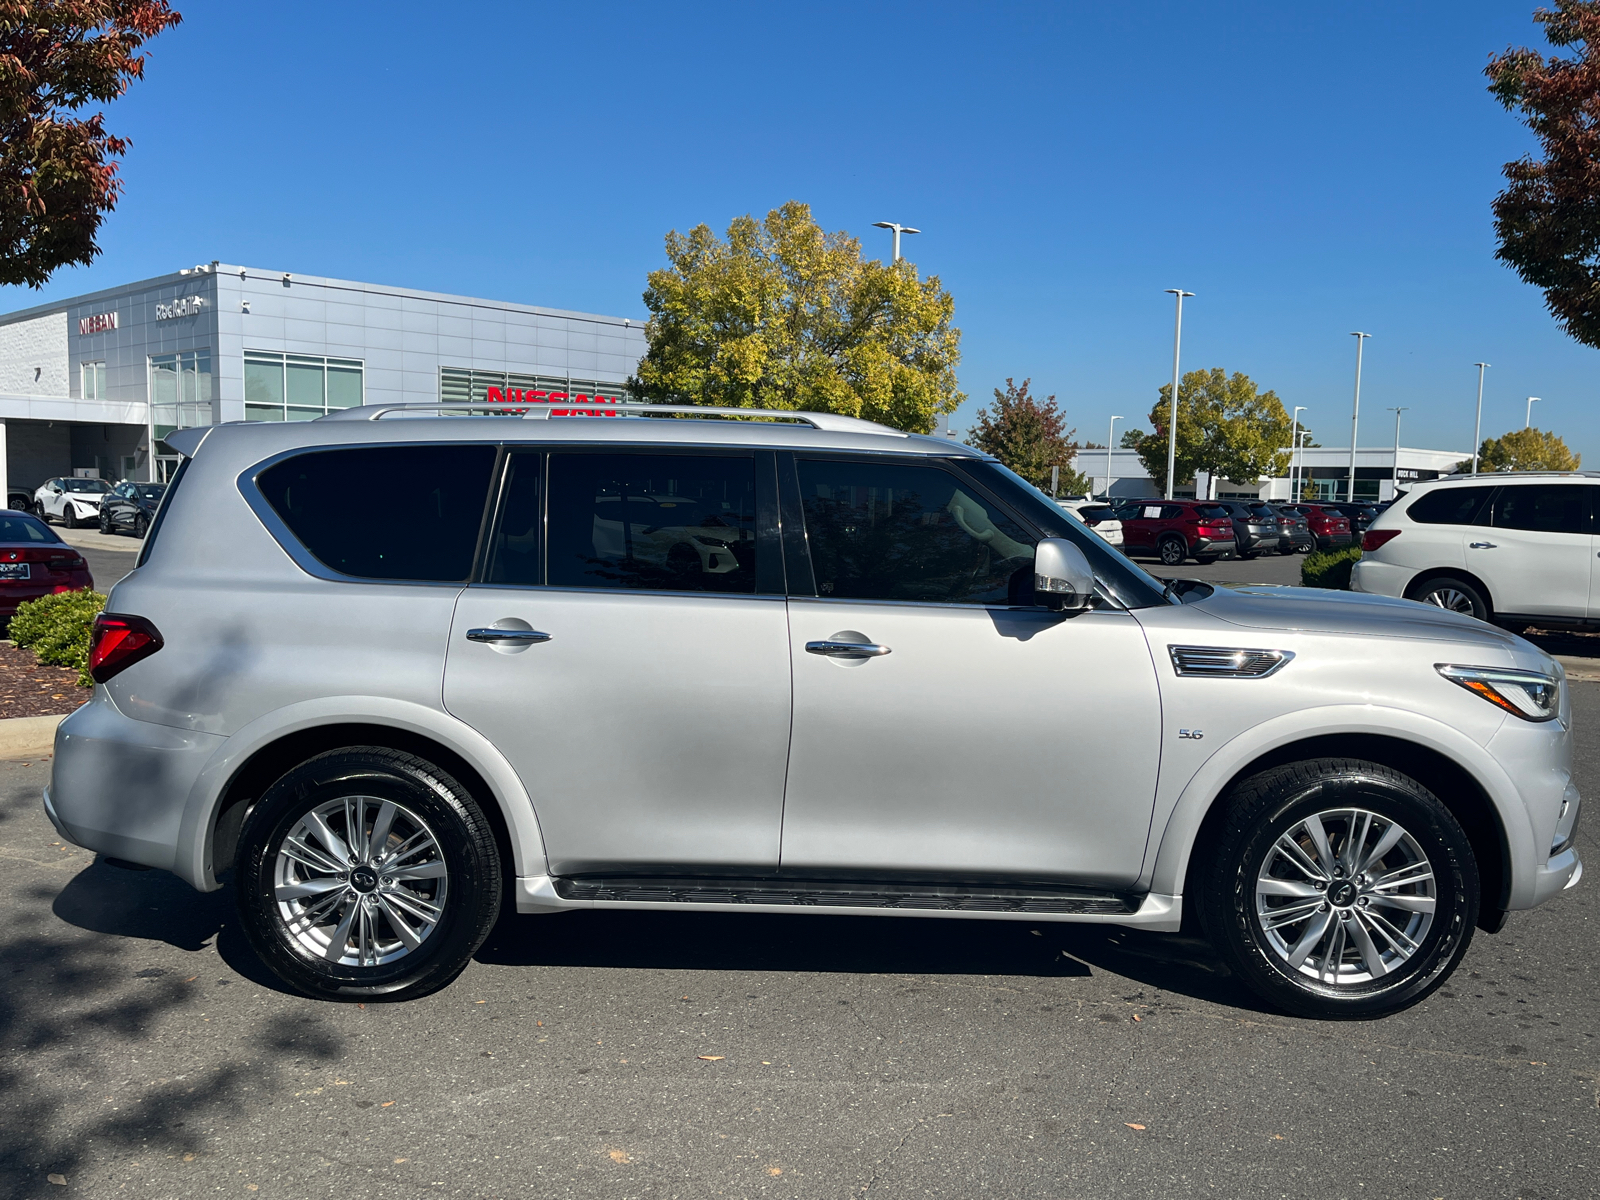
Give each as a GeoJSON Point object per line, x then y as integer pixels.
{"type": "Point", "coordinates": [396, 670]}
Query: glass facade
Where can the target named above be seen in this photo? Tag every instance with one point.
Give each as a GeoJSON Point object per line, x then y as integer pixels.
{"type": "Point", "coordinates": [93, 380]}
{"type": "Point", "coordinates": [180, 398]}
{"type": "Point", "coordinates": [462, 385]}
{"type": "Point", "coordinates": [299, 387]}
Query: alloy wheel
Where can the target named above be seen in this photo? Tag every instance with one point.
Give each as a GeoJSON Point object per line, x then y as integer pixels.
{"type": "Point", "coordinates": [1345, 896]}
{"type": "Point", "coordinates": [359, 881]}
{"type": "Point", "coordinates": [1452, 598]}
{"type": "Point", "coordinates": [1172, 552]}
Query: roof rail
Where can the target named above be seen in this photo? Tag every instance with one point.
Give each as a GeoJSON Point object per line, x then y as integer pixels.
{"type": "Point", "coordinates": [541, 410]}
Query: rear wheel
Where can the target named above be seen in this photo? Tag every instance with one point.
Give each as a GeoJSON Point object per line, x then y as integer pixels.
{"type": "Point", "coordinates": [1339, 888]}
{"type": "Point", "coordinates": [1172, 550]}
{"type": "Point", "coordinates": [1448, 591]}
{"type": "Point", "coordinates": [105, 522]}
{"type": "Point", "coordinates": [366, 872]}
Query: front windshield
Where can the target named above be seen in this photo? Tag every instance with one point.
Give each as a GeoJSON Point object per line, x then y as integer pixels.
{"type": "Point", "coordinates": [86, 485]}
{"type": "Point", "coordinates": [1121, 576]}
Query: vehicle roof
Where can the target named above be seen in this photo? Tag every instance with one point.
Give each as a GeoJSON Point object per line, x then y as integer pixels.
{"type": "Point", "coordinates": [1505, 477]}
{"type": "Point", "coordinates": [353, 429]}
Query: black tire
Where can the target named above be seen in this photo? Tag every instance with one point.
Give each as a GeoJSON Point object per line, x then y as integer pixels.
{"type": "Point", "coordinates": [105, 523]}
{"type": "Point", "coordinates": [1172, 550]}
{"type": "Point", "coordinates": [467, 884]}
{"type": "Point", "coordinates": [141, 525]}
{"type": "Point", "coordinates": [1265, 808]}
{"type": "Point", "coordinates": [1454, 593]}
{"type": "Point", "coordinates": [1289, 549]}
{"type": "Point", "coordinates": [67, 519]}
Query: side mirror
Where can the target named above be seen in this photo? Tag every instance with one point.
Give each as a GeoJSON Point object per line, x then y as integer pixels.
{"type": "Point", "coordinates": [1063, 581]}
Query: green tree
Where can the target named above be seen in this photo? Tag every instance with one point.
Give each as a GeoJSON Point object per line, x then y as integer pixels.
{"type": "Point", "coordinates": [1131, 438]}
{"type": "Point", "coordinates": [785, 315]}
{"type": "Point", "coordinates": [1524, 450]}
{"type": "Point", "coordinates": [57, 177]}
{"type": "Point", "coordinates": [1225, 426]}
{"type": "Point", "coordinates": [1030, 437]}
{"type": "Point", "coordinates": [1547, 220]}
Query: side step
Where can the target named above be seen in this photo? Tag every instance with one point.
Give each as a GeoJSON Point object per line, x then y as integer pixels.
{"type": "Point", "coordinates": [804, 893]}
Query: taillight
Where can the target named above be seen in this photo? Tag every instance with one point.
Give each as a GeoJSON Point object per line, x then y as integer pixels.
{"type": "Point", "coordinates": [118, 642]}
{"type": "Point", "coordinates": [1373, 538]}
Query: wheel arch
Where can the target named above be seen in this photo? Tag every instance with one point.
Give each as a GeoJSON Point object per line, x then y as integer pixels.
{"type": "Point", "coordinates": [1424, 577]}
{"type": "Point", "coordinates": [261, 753]}
{"type": "Point", "coordinates": [1457, 787]}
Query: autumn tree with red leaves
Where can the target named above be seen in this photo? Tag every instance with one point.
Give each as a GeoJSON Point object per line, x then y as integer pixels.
{"type": "Point", "coordinates": [57, 174]}
{"type": "Point", "coordinates": [1030, 436]}
{"type": "Point", "coordinates": [1548, 218]}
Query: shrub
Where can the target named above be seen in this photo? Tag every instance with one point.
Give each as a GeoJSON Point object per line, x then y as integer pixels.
{"type": "Point", "coordinates": [1329, 568]}
{"type": "Point", "coordinates": [56, 628]}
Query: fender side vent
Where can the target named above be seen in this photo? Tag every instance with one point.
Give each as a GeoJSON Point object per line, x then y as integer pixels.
{"type": "Point", "coordinates": [802, 893]}
{"type": "Point", "coordinates": [1227, 662]}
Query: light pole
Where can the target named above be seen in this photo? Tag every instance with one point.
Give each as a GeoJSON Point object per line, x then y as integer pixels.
{"type": "Point", "coordinates": [1394, 475]}
{"type": "Point", "coordinates": [1110, 433]}
{"type": "Point", "coordinates": [1355, 415]}
{"type": "Point", "coordinates": [1528, 419]}
{"type": "Point", "coordinates": [1477, 425]}
{"type": "Point", "coordinates": [898, 230]}
{"type": "Point", "coordinates": [1294, 446]}
{"type": "Point", "coordinates": [1305, 435]}
{"type": "Point", "coordinates": [1172, 419]}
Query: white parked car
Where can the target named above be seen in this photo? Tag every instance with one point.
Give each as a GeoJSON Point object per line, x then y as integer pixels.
{"type": "Point", "coordinates": [1515, 549]}
{"type": "Point", "coordinates": [1098, 516]}
{"type": "Point", "coordinates": [73, 502]}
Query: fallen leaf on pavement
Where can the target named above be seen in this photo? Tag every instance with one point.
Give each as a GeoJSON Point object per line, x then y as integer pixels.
{"type": "Point", "coordinates": [1131, 1125]}
{"type": "Point", "coordinates": [387, 1104]}
{"type": "Point", "coordinates": [1137, 1017]}
{"type": "Point", "coordinates": [58, 1180]}
{"type": "Point", "coordinates": [712, 1057]}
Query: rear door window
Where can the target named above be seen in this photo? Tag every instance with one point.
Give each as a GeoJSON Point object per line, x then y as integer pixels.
{"type": "Point", "coordinates": [1451, 506]}
{"type": "Point", "coordinates": [653, 522]}
{"type": "Point", "coordinates": [1210, 511]}
{"type": "Point", "coordinates": [1543, 508]}
{"type": "Point", "coordinates": [386, 512]}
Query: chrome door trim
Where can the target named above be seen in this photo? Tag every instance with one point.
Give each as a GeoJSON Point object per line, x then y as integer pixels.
{"type": "Point", "coordinates": [847, 649]}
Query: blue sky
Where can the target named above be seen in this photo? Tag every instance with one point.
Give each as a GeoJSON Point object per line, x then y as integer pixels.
{"type": "Point", "coordinates": [1307, 170]}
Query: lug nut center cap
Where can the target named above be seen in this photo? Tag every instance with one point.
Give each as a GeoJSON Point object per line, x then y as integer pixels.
{"type": "Point", "coordinates": [363, 879]}
{"type": "Point", "coordinates": [1342, 895]}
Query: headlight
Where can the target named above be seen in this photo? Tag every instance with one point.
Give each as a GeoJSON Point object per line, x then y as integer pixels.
{"type": "Point", "coordinates": [1531, 695]}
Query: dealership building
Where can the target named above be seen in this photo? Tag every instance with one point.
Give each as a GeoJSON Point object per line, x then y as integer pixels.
{"type": "Point", "coordinates": [1316, 473]}
{"type": "Point", "coordinates": [91, 385]}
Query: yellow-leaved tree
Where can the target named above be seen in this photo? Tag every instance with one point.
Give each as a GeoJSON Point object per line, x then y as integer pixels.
{"type": "Point", "coordinates": [1524, 450]}
{"type": "Point", "coordinates": [784, 315]}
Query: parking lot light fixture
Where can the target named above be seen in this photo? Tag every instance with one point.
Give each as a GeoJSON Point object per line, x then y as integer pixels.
{"type": "Point", "coordinates": [1172, 418]}
{"type": "Point", "coordinates": [1355, 415]}
{"type": "Point", "coordinates": [1527, 419]}
{"type": "Point", "coordinates": [1477, 425]}
{"type": "Point", "coordinates": [1394, 475]}
{"type": "Point", "coordinates": [1110, 433]}
{"type": "Point", "coordinates": [1294, 448]}
{"type": "Point", "coordinates": [898, 230]}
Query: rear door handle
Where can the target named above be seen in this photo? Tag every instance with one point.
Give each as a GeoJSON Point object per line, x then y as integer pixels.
{"type": "Point", "coordinates": [513, 637]}
{"type": "Point", "coordinates": [1481, 546]}
{"type": "Point", "coordinates": [847, 649]}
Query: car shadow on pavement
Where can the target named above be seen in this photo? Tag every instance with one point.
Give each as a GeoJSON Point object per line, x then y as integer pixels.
{"type": "Point", "coordinates": [142, 904]}
{"type": "Point", "coordinates": [871, 945]}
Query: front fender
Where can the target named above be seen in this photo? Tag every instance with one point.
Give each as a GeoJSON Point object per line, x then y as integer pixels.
{"type": "Point", "coordinates": [194, 857]}
{"type": "Point", "coordinates": [1180, 825]}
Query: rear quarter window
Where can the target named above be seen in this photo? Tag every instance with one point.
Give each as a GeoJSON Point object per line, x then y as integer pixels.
{"type": "Point", "coordinates": [404, 513]}
{"type": "Point", "coordinates": [1451, 506]}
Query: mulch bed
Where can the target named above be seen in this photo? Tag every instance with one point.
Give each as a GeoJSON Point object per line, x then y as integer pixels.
{"type": "Point", "coordinates": [28, 688]}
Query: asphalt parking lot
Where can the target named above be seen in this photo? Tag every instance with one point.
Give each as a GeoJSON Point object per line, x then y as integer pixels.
{"type": "Point", "coordinates": [145, 1052]}
{"type": "Point", "coordinates": [109, 558]}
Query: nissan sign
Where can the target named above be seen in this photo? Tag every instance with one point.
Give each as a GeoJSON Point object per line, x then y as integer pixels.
{"type": "Point", "coordinates": [98, 323]}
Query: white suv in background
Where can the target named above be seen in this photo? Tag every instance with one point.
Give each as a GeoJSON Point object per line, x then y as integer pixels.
{"type": "Point", "coordinates": [1098, 516]}
{"type": "Point", "coordinates": [1517, 549]}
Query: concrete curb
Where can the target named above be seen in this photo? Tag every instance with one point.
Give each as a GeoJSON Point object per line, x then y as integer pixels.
{"type": "Point", "coordinates": [1579, 670]}
{"type": "Point", "coordinates": [28, 737]}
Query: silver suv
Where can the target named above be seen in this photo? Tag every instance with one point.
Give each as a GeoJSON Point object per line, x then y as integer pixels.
{"type": "Point", "coordinates": [395, 668]}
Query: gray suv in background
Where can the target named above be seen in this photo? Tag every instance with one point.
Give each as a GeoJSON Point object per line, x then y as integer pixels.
{"type": "Point", "coordinates": [397, 669]}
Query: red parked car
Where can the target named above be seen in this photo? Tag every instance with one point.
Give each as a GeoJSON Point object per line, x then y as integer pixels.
{"type": "Point", "coordinates": [1329, 528]}
{"type": "Point", "coordinates": [35, 562]}
{"type": "Point", "coordinates": [1174, 530]}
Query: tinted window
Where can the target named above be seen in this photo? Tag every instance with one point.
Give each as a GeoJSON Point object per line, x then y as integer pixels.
{"type": "Point", "coordinates": [1210, 511]}
{"type": "Point", "coordinates": [663, 522]}
{"type": "Point", "coordinates": [1449, 506]}
{"type": "Point", "coordinates": [25, 529]}
{"type": "Point", "coordinates": [1169, 512]}
{"type": "Point", "coordinates": [86, 486]}
{"type": "Point", "coordinates": [1544, 507]}
{"type": "Point", "coordinates": [152, 491]}
{"type": "Point", "coordinates": [1096, 512]}
{"type": "Point", "coordinates": [891, 531]}
{"type": "Point", "coordinates": [514, 557]}
{"type": "Point", "coordinates": [386, 512]}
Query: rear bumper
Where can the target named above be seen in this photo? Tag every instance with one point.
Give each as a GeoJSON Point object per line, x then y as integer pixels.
{"type": "Point", "coordinates": [1379, 578]}
{"type": "Point", "coordinates": [1332, 541]}
{"type": "Point", "coordinates": [1209, 546]}
{"type": "Point", "coordinates": [119, 786]}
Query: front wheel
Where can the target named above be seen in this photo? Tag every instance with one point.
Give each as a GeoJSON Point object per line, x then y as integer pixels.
{"type": "Point", "coordinates": [105, 523]}
{"type": "Point", "coordinates": [68, 517]}
{"type": "Point", "coordinates": [1338, 888]}
{"type": "Point", "coordinates": [366, 872]}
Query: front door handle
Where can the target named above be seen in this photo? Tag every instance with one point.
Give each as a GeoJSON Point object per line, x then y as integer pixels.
{"type": "Point", "coordinates": [1481, 546]}
{"type": "Point", "coordinates": [847, 649]}
{"type": "Point", "coordinates": [509, 637]}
